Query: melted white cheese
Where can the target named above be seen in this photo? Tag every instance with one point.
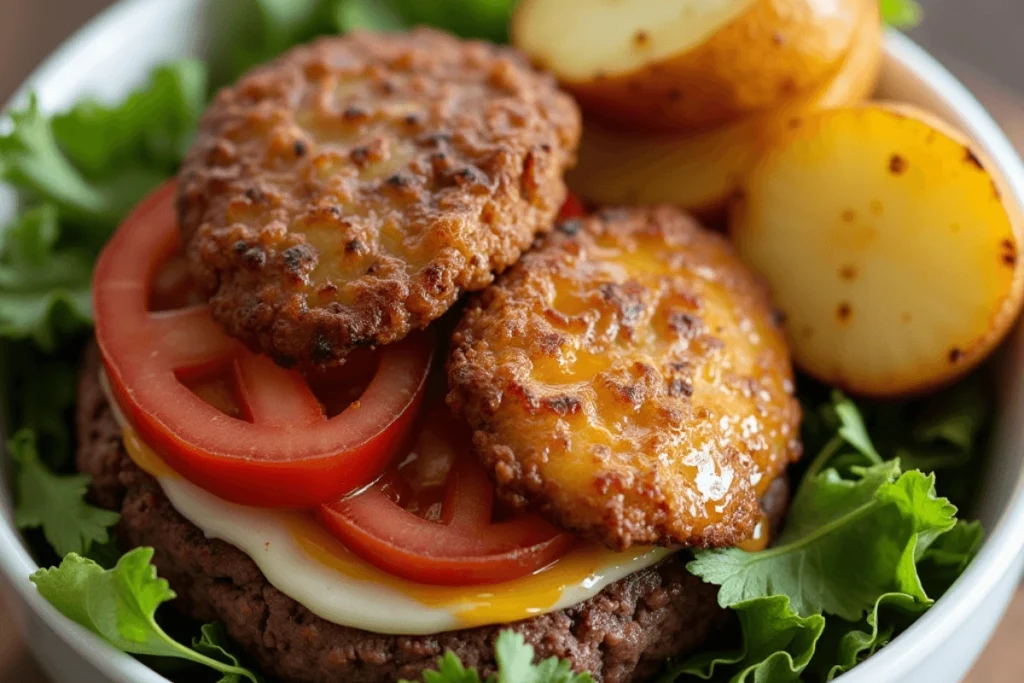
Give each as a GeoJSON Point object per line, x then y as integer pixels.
{"type": "Point", "coordinates": [304, 562]}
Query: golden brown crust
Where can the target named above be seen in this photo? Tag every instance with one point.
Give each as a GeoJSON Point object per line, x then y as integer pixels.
{"type": "Point", "coordinates": [628, 379]}
{"type": "Point", "coordinates": [348, 192]}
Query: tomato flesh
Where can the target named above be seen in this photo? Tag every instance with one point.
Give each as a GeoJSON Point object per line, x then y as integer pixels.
{"type": "Point", "coordinates": [460, 544]}
{"type": "Point", "coordinates": [282, 450]}
{"type": "Point", "coordinates": [573, 207]}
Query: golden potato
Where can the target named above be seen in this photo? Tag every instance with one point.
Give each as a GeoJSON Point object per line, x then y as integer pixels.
{"type": "Point", "coordinates": [697, 172]}
{"type": "Point", "coordinates": [888, 246]}
{"type": "Point", "coordinates": [701, 171]}
{"type": "Point", "coordinates": [853, 81]}
{"type": "Point", "coordinates": [685, 64]}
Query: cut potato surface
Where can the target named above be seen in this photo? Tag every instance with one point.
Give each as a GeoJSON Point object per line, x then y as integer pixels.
{"type": "Point", "coordinates": [887, 245]}
{"type": "Point", "coordinates": [697, 172]}
{"type": "Point", "coordinates": [701, 171]}
{"type": "Point", "coordinates": [684, 64]}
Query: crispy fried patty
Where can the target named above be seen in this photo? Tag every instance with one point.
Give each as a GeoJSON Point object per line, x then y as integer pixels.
{"type": "Point", "coordinates": [628, 380]}
{"type": "Point", "coordinates": [623, 634]}
{"type": "Point", "coordinates": [348, 192]}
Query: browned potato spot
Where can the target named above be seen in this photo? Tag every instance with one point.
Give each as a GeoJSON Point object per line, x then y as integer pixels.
{"type": "Point", "coordinates": [883, 234]}
{"type": "Point", "coordinates": [628, 380]}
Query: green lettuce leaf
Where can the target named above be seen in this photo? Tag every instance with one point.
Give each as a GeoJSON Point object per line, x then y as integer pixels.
{"type": "Point", "coordinates": [852, 428]}
{"type": "Point", "coordinates": [865, 548]}
{"type": "Point", "coordinates": [44, 292]}
{"type": "Point", "coordinates": [844, 644]}
{"type": "Point", "coordinates": [84, 169]}
{"type": "Point", "coordinates": [846, 543]}
{"type": "Point", "coordinates": [212, 642]}
{"type": "Point", "coordinates": [946, 431]}
{"type": "Point", "coordinates": [514, 657]}
{"type": "Point", "coordinates": [47, 390]}
{"type": "Point", "coordinates": [31, 160]}
{"type": "Point", "coordinates": [777, 646]}
{"type": "Point", "coordinates": [954, 417]}
{"type": "Point", "coordinates": [947, 558]}
{"type": "Point", "coordinates": [119, 605]}
{"type": "Point", "coordinates": [150, 129]}
{"type": "Point", "coordinates": [259, 30]}
{"type": "Point", "coordinates": [55, 503]}
{"type": "Point", "coordinates": [371, 15]}
{"type": "Point", "coordinates": [488, 19]}
{"type": "Point", "coordinates": [94, 162]}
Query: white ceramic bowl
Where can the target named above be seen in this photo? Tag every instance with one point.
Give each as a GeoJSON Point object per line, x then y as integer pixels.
{"type": "Point", "coordinates": [117, 50]}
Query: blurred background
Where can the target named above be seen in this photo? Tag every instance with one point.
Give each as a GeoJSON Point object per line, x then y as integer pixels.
{"type": "Point", "coordinates": [982, 41]}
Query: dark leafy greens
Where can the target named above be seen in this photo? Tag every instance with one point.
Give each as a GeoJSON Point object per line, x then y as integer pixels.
{"type": "Point", "coordinates": [148, 132]}
{"type": "Point", "coordinates": [777, 645]}
{"type": "Point", "coordinates": [78, 172]}
{"type": "Point", "coordinates": [869, 544]}
{"type": "Point", "coordinates": [120, 604]}
{"type": "Point", "coordinates": [864, 552]}
{"type": "Point", "coordinates": [821, 562]}
{"type": "Point", "coordinates": [262, 29]}
{"type": "Point", "coordinates": [44, 290]}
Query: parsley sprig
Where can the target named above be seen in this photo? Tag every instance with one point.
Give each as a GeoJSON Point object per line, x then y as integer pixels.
{"type": "Point", "coordinates": [56, 503]}
{"type": "Point", "coordinates": [515, 659]}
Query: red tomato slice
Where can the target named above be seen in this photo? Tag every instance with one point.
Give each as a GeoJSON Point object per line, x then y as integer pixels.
{"type": "Point", "coordinates": [573, 207]}
{"type": "Point", "coordinates": [282, 450]}
{"type": "Point", "coordinates": [459, 544]}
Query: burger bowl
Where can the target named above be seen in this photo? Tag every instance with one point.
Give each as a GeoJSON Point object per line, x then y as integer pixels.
{"type": "Point", "coordinates": [115, 53]}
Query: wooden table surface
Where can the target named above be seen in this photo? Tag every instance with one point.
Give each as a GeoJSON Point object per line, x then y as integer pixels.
{"type": "Point", "coordinates": [30, 29]}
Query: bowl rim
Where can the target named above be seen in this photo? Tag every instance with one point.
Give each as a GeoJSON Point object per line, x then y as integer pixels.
{"type": "Point", "coordinates": [1003, 544]}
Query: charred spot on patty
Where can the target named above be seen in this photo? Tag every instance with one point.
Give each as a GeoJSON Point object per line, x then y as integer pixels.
{"type": "Point", "coordinates": [295, 258]}
{"type": "Point", "coordinates": [254, 257]}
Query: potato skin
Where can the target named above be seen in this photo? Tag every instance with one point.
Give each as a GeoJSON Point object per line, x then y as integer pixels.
{"type": "Point", "coordinates": [350, 191]}
{"type": "Point", "coordinates": [901, 281]}
{"type": "Point", "coordinates": [774, 51]}
{"type": "Point", "coordinates": [628, 380]}
{"type": "Point", "coordinates": [701, 171]}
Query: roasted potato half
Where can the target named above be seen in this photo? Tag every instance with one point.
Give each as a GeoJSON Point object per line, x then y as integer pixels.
{"type": "Point", "coordinates": [696, 172]}
{"type": "Point", "coordinates": [888, 247]}
{"type": "Point", "coordinates": [685, 64]}
{"type": "Point", "coordinates": [701, 171]}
